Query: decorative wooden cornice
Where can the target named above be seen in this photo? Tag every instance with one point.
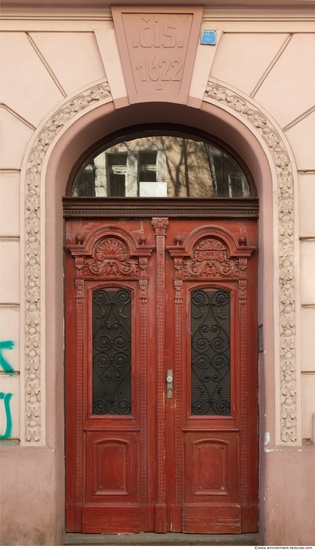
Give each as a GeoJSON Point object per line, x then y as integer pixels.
{"type": "Point", "coordinates": [186, 208]}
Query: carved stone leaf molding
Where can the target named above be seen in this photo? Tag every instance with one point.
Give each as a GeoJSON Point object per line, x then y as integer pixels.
{"type": "Point", "coordinates": [285, 193]}
{"type": "Point", "coordinates": [75, 105]}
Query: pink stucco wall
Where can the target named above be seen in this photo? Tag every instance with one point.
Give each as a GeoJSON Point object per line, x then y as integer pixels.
{"type": "Point", "coordinates": [32, 477]}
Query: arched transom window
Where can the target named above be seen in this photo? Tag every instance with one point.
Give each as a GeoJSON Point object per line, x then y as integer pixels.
{"type": "Point", "coordinates": [161, 163]}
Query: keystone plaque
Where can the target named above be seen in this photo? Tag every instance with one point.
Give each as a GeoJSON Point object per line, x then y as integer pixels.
{"type": "Point", "coordinates": [157, 47]}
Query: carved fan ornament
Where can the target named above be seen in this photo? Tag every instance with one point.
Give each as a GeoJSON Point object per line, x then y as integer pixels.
{"type": "Point", "coordinates": [96, 95]}
{"type": "Point", "coordinates": [111, 258]}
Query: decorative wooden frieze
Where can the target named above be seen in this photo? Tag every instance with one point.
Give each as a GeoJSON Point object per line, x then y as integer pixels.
{"type": "Point", "coordinates": [108, 207]}
{"type": "Point", "coordinates": [217, 93]}
{"type": "Point", "coordinates": [157, 46]}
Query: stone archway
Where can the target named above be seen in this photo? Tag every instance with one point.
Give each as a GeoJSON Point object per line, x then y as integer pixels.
{"type": "Point", "coordinates": [234, 107]}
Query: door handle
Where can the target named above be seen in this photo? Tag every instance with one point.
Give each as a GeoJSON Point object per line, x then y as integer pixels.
{"type": "Point", "coordinates": [169, 384]}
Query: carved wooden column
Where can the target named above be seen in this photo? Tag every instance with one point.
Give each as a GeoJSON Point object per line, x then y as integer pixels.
{"type": "Point", "coordinates": [247, 513]}
{"type": "Point", "coordinates": [178, 286]}
{"type": "Point", "coordinates": [79, 283]}
{"type": "Point", "coordinates": [143, 284]}
{"type": "Point", "coordinates": [242, 295]}
{"type": "Point", "coordinates": [160, 226]}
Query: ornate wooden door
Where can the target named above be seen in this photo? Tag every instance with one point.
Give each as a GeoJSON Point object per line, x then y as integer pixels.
{"type": "Point", "coordinates": [161, 381]}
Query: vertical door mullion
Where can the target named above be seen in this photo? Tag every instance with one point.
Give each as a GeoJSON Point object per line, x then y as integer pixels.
{"type": "Point", "coordinates": [160, 226]}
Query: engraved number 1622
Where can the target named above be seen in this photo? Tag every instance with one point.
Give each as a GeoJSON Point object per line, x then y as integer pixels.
{"type": "Point", "coordinates": [160, 69]}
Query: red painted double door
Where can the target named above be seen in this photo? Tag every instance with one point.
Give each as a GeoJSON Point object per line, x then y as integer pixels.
{"type": "Point", "coordinates": [161, 381]}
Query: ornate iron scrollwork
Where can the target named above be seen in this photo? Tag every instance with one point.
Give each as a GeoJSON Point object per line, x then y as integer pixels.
{"type": "Point", "coordinates": [111, 313]}
{"type": "Point", "coordinates": [210, 352]}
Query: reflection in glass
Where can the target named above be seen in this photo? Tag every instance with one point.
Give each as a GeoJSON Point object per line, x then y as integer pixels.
{"type": "Point", "coordinates": [161, 165]}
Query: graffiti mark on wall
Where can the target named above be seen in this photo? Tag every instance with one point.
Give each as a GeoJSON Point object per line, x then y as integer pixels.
{"type": "Point", "coordinates": [6, 397]}
{"type": "Point", "coordinates": [4, 345]}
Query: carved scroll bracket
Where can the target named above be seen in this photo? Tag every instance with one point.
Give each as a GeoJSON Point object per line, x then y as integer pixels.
{"type": "Point", "coordinates": [79, 284]}
{"type": "Point", "coordinates": [242, 290]}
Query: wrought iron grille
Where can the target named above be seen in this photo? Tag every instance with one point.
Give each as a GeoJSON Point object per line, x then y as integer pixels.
{"type": "Point", "coordinates": [210, 352]}
{"type": "Point", "coordinates": [111, 322]}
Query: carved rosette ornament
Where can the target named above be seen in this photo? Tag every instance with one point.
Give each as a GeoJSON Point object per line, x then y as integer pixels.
{"type": "Point", "coordinates": [216, 92]}
{"type": "Point", "coordinates": [32, 261]}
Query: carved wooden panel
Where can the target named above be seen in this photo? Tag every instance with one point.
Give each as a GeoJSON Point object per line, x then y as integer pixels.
{"type": "Point", "coordinates": [209, 480]}
{"type": "Point", "coordinates": [111, 466]}
{"type": "Point", "coordinates": [213, 461]}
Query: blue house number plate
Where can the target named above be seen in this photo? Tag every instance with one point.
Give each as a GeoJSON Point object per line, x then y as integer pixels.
{"type": "Point", "coordinates": [208, 37]}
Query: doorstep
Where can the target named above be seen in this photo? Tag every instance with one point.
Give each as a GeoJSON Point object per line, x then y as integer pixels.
{"type": "Point", "coordinates": [161, 539]}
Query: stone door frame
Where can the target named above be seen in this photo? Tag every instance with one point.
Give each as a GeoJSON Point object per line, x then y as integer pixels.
{"type": "Point", "coordinates": [46, 168]}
